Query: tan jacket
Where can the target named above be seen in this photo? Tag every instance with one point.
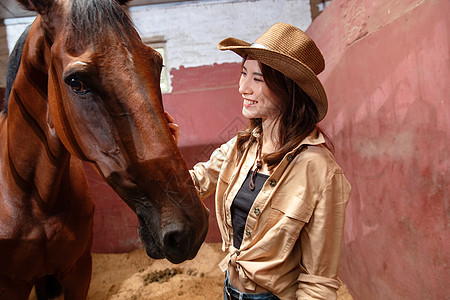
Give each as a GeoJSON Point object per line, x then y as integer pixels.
{"type": "Point", "coordinates": [293, 234]}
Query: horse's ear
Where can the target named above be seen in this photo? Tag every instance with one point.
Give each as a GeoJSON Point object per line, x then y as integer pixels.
{"type": "Point", "coordinates": [39, 6]}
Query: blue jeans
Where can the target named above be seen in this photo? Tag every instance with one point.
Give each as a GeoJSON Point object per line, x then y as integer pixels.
{"type": "Point", "coordinates": [232, 293]}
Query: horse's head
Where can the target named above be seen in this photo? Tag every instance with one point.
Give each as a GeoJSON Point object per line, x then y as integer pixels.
{"type": "Point", "coordinates": [105, 107]}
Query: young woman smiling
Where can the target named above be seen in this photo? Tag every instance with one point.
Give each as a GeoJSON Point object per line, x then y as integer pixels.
{"type": "Point", "coordinates": [280, 195]}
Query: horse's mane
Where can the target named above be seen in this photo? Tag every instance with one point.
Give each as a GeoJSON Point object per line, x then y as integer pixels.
{"type": "Point", "coordinates": [90, 22]}
{"type": "Point", "coordinates": [13, 65]}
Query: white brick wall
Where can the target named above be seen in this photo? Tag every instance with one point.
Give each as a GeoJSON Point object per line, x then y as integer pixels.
{"type": "Point", "coordinates": [192, 29]}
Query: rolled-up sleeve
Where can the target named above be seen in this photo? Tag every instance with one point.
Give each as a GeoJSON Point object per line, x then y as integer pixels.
{"type": "Point", "coordinates": [321, 241]}
{"type": "Point", "coordinates": [205, 174]}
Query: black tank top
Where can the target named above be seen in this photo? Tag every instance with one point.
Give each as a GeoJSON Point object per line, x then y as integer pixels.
{"type": "Point", "coordinates": [241, 206]}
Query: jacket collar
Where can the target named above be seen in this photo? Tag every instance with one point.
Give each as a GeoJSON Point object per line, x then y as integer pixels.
{"type": "Point", "coordinates": [314, 138]}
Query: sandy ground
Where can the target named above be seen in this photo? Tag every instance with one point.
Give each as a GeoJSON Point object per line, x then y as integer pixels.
{"type": "Point", "coordinates": [134, 276]}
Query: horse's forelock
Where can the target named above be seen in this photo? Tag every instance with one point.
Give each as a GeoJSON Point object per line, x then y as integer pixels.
{"type": "Point", "coordinates": [90, 21]}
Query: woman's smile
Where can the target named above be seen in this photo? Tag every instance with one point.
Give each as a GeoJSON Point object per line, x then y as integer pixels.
{"type": "Point", "coordinates": [258, 100]}
{"type": "Point", "coordinates": [249, 103]}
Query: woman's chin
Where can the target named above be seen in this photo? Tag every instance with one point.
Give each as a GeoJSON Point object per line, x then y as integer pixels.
{"type": "Point", "coordinates": [248, 114]}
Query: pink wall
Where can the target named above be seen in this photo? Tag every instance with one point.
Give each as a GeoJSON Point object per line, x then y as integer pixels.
{"type": "Point", "coordinates": [388, 81]}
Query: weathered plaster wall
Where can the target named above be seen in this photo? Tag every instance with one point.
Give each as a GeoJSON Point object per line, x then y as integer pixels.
{"type": "Point", "coordinates": [388, 82]}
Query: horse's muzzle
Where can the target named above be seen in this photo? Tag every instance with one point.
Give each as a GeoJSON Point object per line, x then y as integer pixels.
{"type": "Point", "coordinates": [177, 241]}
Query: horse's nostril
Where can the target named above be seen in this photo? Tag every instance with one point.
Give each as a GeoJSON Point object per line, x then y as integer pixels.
{"type": "Point", "coordinates": [176, 243]}
{"type": "Point", "coordinates": [173, 240]}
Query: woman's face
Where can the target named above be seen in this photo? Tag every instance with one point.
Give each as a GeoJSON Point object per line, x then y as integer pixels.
{"type": "Point", "coordinates": [259, 100]}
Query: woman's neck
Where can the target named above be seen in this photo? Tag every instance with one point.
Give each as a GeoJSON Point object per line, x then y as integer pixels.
{"type": "Point", "coordinates": [270, 136]}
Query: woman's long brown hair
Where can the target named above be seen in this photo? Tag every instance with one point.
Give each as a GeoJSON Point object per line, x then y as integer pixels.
{"type": "Point", "coordinates": [297, 119]}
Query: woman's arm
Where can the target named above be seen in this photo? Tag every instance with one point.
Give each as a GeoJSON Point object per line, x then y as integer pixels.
{"type": "Point", "coordinates": [204, 174]}
{"type": "Point", "coordinates": [321, 242]}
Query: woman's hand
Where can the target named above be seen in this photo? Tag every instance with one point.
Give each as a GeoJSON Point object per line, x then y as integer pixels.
{"type": "Point", "coordinates": [173, 127]}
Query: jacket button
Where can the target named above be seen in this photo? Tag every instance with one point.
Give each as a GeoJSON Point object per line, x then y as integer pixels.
{"type": "Point", "coordinates": [257, 211]}
{"type": "Point", "coordinates": [248, 233]}
{"type": "Point", "coordinates": [290, 157]}
{"type": "Point", "coordinates": [272, 182]}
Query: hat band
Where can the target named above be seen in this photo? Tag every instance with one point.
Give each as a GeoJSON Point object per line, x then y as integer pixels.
{"type": "Point", "coordinates": [259, 46]}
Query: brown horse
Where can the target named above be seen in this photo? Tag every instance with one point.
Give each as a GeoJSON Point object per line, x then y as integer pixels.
{"type": "Point", "coordinates": [87, 89]}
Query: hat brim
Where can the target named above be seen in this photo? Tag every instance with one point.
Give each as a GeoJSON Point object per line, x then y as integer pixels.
{"type": "Point", "coordinates": [294, 69]}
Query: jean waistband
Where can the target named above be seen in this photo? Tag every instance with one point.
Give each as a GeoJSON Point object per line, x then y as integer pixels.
{"type": "Point", "coordinates": [236, 294]}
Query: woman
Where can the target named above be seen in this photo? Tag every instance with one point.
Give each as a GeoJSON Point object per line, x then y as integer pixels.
{"type": "Point", "coordinates": [280, 195]}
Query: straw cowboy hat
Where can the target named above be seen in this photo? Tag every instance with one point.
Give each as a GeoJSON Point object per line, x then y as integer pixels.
{"type": "Point", "coordinates": [290, 51]}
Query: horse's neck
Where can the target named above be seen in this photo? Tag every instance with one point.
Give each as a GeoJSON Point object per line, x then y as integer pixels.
{"type": "Point", "coordinates": [34, 156]}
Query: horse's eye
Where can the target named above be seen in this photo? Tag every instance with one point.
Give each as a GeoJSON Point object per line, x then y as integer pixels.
{"type": "Point", "coordinates": [78, 86]}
